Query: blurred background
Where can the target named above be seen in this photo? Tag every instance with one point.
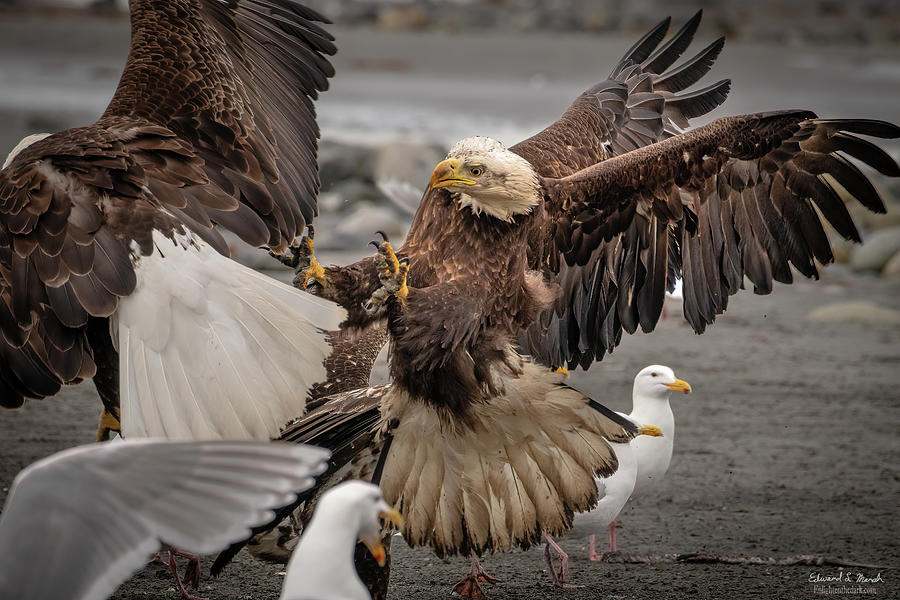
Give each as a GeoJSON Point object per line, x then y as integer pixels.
{"type": "Point", "coordinates": [788, 443]}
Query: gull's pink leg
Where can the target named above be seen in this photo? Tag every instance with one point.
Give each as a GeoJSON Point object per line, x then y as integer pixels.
{"type": "Point", "coordinates": [192, 571]}
{"type": "Point", "coordinates": [592, 550]}
{"type": "Point", "coordinates": [559, 577]}
{"type": "Point", "coordinates": [612, 536]}
{"type": "Point", "coordinates": [191, 574]}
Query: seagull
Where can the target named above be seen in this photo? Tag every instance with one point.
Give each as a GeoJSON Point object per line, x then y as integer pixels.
{"type": "Point", "coordinates": [78, 523]}
{"type": "Point", "coordinates": [613, 492]}
{"type": "Point", "coordinates": [650, 455]}
{"type": "Point", "coordinates": [321, 567]}
{"type": "Point", "coordinates": [650, 404]}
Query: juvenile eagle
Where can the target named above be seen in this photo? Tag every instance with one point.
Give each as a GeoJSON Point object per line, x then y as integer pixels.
{"type": "Point", "coordinates": [111, 263]}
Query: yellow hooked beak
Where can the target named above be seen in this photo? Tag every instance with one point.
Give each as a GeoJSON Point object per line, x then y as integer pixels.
{"type": "Point", "coordinates": [679, 386]}
{"type": "Point", "coordinates": [446, 173]}
{"type": "Point", "coordinates": [650, 430]}
{"type": "Point", "coordinates": [375, 546]}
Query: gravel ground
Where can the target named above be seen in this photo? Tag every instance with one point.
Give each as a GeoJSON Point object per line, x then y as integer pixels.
{"type": "Point", "coordinates": [787, 446]}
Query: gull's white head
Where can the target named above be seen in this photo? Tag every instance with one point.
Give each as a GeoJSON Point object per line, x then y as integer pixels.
{"type": "Point", "coordinates": [488, 178]}
{"type": "Point", "coordinates": [658, 381]}
{"type": "Point", "coordinates": [24, 144]}
{"type": "Point", "coordinates": [362, 507]}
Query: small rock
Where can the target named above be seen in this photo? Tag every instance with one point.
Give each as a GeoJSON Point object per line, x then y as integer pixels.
{"type": "Point", "coordinates": [876, 250]}
{"type": "Point", "coordinates": [892, 269]}
{"type": "Point", "coordinates": [855, 311]}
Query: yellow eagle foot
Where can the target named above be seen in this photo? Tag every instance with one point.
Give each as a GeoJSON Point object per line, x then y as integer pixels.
{"type": "Point", "coordinates": [392, 273]}
{"type": "Point", "coordinates": [109, 423]}
{"type": "Point", "coordinates": [302, 259]}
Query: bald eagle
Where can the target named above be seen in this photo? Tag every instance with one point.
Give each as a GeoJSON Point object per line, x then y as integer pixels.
{"type": "Point", "coordinates": [112, 266]}
{"type": "Point", "coordinates": [557, 245]}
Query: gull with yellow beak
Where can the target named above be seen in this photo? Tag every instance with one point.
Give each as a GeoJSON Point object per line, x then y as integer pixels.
{"type": "Point", "coordinates": [321, 567]}
{"type": "Point", "coordinates": [650, 404]}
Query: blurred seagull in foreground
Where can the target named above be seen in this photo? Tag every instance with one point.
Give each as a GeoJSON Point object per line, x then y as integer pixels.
{"type": "Point", "coordinates": [321, 567]}
{"type": "Point", "coordinates": [108, 507]}
{"type": "Point", "coordinates": [652, 454]}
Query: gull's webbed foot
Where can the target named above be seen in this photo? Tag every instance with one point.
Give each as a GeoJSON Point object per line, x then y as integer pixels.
{"type": "Point", "coordinates": [302, 259]}
{"type": "Point", "coordinates": [109, 423]}
{"type": "Point", "coordinates": [392, 273]}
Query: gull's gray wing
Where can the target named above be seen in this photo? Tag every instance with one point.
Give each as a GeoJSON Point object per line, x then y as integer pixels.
{"type": "Point", "coordinates": [79, 523]}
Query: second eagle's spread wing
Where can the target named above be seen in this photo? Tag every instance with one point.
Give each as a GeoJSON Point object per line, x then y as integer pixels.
{"type": "Point", "coordinates": [739, 197]}
{"type": "Point", "coordinates": [645, 99]}
{"type": "Point", "coordinates": [200, 133]}
{"type": "Point", "coordinates": [235, 82]}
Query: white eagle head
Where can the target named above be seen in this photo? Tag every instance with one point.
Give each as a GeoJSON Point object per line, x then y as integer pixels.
{"type": "Point", "coordinates": [488, 178]}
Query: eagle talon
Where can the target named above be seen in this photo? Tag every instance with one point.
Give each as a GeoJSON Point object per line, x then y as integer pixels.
{"type": "Point", "coordinates": [392, 273]}
{"type": "Point", "coordinates": [303, 261]}
{"type": "Point", "coordinates": [291, 260]}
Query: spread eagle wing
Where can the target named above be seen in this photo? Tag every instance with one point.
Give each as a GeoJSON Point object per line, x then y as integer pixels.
{"type": "Point", "coordinates": [92, 515]}
{"type": "Point", "coordinates": [200, 133]}
{"type": "Point", "coordinates": [644, 100]}
{"type": "Point", "coordinates": [741, 196]}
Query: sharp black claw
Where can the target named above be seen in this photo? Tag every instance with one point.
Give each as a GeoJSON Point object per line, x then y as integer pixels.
{"type": "Point", "coordinates": [404, 261]}
{"type": "Point", "coordinates": [383, 235]}
{"type": "Point", "coordinates": [376, 244]}
{"type": "Point", "coordinates": [311, 231]}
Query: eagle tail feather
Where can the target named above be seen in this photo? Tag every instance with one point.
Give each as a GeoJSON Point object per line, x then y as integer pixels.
{"type": "Point", "coordinates": [211, 349]}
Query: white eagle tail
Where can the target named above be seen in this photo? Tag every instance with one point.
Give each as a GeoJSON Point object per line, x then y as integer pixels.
{"type": "Point", "coordinates": [210, 349]}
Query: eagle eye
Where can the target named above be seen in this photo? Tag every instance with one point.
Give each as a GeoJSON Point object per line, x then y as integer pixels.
{"type": "Point", "coordinates": [476, 170]}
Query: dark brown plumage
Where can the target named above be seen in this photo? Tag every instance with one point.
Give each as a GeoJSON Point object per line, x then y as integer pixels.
{"type": "Point", "coordinates": [200, 133]}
